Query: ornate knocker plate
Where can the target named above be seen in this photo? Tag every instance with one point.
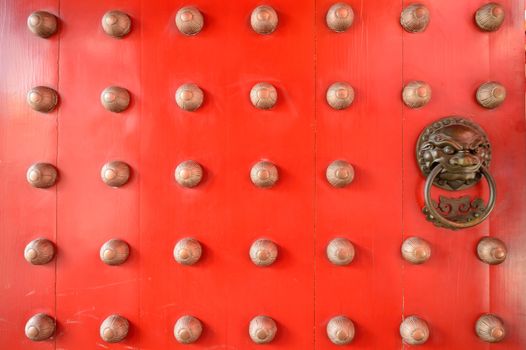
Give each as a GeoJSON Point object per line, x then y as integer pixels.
{"type": "Point", "coordinates": [454, 153]}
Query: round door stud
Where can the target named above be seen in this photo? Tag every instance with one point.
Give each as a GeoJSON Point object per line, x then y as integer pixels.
{"type": "Point", "coordinates": [114, 329]}
{"type": "Point", "coordinates": [115, 173]}
{"type": "Point", "coordinates": [416, 94]}
{"type": "Point", "coordinates": [263, 96]}
{"type": "Point", "coordinates": [340, 95]}
{"type": "Point", "coordinates": [42, 99]}
{"type": "Point", "coordinates": [491, 94]}
{"type": "Point", "coordinates": [189, 97]}
{"type": "Point", "coordinates": [340, 330]}
{"type": "Point", "coordinates": [339, 173]}
{"type": "Point", "coordinates": [116, 24]}
{"type": "Point", "coordinates": [114, 252]}
{"type": "Point", "coordinates": [263, 252]}
{"type": "Point", "coordinates": [42, 175]}
{"type": "Point", "coordinates": [40, 327]}
{"type": "Point", "coordinates": [187, 251]}
{"type": "Point", "coordinates": [340, 251]}
{"type": "Point", "coordinates": [264, 174]}
{"type": "Point", "coordinates": [188, 173]}
{"type": "Point", "coordinates": [492, 250]}
{"type": "Point", "coordinates": [42, 23]}
{"type": "Point", "coordinates": [115, 99]}
{"type": "Point", "coordinates": [39, 251]}
{"type": "Point", "coordinates": [264, 19]}
{"type": "Point", "coordinates": [262, 329]}
{"type": "Point", "coordinates": [187, 329]}
{"type": "Point", "coordinates": [490, 328]}
{"type": "Point", "coordinates": [415, 18]}
{"type": "Point", "coordinates": [339, 17]}
{"type": "Point", "coordinates": [189, 20]}
{"type": "Point", "coordinates": [414, 330]}
{"type": "Point", "coordinates": [416, 250]}
{"type": "Point", "coordinates": [489, 17]}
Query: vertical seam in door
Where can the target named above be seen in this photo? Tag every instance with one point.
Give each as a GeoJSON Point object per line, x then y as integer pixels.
{"type": "Point", "coordinates": [315, 203]}
{"type": "Point", "coordinates": [139, 160]}
{"type": "Point", "coordinates": [402, 266]}
{"type": "Point", "coordinates": [56, 165]}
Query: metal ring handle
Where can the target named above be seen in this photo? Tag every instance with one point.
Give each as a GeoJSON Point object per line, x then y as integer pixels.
{"type": "Point", "coordinates": [453, 224]}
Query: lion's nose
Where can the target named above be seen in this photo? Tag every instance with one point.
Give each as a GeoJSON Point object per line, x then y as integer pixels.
{"type": "Point", "coordinates": [464, 160]}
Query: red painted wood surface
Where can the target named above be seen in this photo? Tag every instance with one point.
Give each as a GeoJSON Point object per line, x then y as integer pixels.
{"type": "Point", "coordinates": [227, 135]}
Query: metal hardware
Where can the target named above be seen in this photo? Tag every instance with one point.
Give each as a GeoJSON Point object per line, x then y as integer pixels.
{"type": "Point", "coordinates": [340, 17]}
{"type": "Point", "coordinates": [416, 250]}
{"type": "Point", "coordinates": [339, 173]}
{"type": "Point", "coordinates": [263, 252]}
{"type": "Point", "coordinates": [491, 94]}
{"type": "Point", "coordinates": [264, 174]}
{"type": "Point", "coordinates": [264, 19]}
{"type": "Point", "coordinates": [489, 17]}
{"type": "Point", "coordinates": [114, 329]}
{"type": "Point", "coordinates": [39, 251]}
{"type": "Point", "coordinates": [189, 97]}
{"type": "Point", "coordinates": [340, 95]}
{"type": "Point", "coordinates": [416, 94]}
{"type": "Point", "coordinates": [262, 329]}
{"type": "Point", "coordinates": [187, 329]}
{"type": "Point", "coordinates": [115, 173]}
{"type": "Point", "coordinates": [340, 330]}
{"type": "Point", "coordinates": [414, 330]}
{"type": "Point", "coordinates": [492, 250]}
{"type": "Point", "coordinates": [42, 175]}
{"type": "Point", "coordinates": [454, 153]}
{"type": "Point", "coordinates": [490, 328]}
{"type": "Point", "coordinates": [114, 252]}
{"type": "Point", "coordinates": [115, 99]}
{"type": "Point", "coordinates": [42, 23]}
{"type": "Point", "coordinates": [189, 20]}
{"type": "Point", "coordinates": [340, 251]}
{"type": "Point", "coordinates": [42, 99]}
{"type": "Point", "coordinates": [187, 251]}
{"type": "Point", "coordinates": [415, 18]}
{"type": "Point", "coordinates": [188, 173]}
{"type": "Point", "coordinates": [263, 95]}
{"type": "Point", "coordinates": [116, 24]}
{"type": "Point", "coordinates": [40, 327]}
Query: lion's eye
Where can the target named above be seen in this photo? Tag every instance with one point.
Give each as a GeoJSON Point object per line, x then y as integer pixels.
{"type": "Point", "coordinates": [448, 150]}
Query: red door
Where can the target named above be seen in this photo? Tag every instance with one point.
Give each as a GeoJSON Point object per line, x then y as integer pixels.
{"type": "Point", "coordinates": [231, 176]}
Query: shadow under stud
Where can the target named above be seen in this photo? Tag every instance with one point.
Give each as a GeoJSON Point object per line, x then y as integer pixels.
{"type": "Point", "coordinates": [116, 24]}
{"type": "Point", "coordinates": [264, 19]}
{"type": "Point", "coordinates": [340, 17]}
{"type": "Point", "coordinates": [42, 24]}
{"type": "Point", "coordinates": [189, 20]}
{"type": "Point", "coordinates": [415, 18]}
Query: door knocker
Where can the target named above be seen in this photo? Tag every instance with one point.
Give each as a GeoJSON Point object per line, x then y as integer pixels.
{"type": "Point", "coordinates": [454, 154]}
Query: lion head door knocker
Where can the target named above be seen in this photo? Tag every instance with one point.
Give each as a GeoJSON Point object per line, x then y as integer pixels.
{"type": "Point", "coordinates": [454, 154]}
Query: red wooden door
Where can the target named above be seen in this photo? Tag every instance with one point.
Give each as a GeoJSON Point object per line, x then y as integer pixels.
{"type": "Point", "coordinates": [302, 290]}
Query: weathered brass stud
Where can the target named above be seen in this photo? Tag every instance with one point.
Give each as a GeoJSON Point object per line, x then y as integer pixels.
{"type": "Point", "coordinates": [114, 252]}
{"type": "Point", "coordinates": [492, 250]}
{"type": "Point", "coordinates": [39, 251]}
{"type": "Point", "coordinates": [340, 251]}
{"type": "Point", "coordinates": [187, 329]}
{"type": "Point", "coordinates": [340, 95]}
{"type": "Point", "coordinates": [41, 175]}
{"type": "Point", "coordinates": [264, 174]}
{"type": "Point", "coordinates": [114, 329]}
{"type": "Point", "coordinates": [42, 23]}
{"type": "Point", "coordinates": [339, 173]}
{"type": "Point", "coordinates": [340, 330]}
{"type": "Point", "coordinates": [263, 95]}
{"type": "Point", "coordinates": [189, 20]}
{"type": "Point", "coordinates": [42, 99]}
{"type": "Point", "coordinates": [263, 252]}
{"type": "Point", "coordinates": [262, 329]}
{"type": "Point", "coordinates": [189, 97]}
{"type": "Point", "coordinates": [491, 94]}
{"type": "Point", "coordinates": [490, 328]}
{"type": "Point", "coordinates": [188, 173]}
{"type": "Point", "coordinates": [187, 251]}
{"type": "Point", "coordinates": [115, 99]}
{"type": "Point", "coordinates": [489, 17]}
{"type": "Point", "coordinates": [414, 330]}
{"type": "Point", "coordinates": [339, 17]}
{"type": "Point", "coordinates": [416, 250]}
{"type": "Point", "coordinates": [264, 19]}
{"type": "Point", "coordinates": [415, 18]}
{"type": "Point", "coordinates": [40, 327]}
{"type": "Point", "coordinates": [116, 23]}
{"type": "Point", "coordinates": [115, 173]}
{"type": "Point", "coordinates": [416, 94]}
